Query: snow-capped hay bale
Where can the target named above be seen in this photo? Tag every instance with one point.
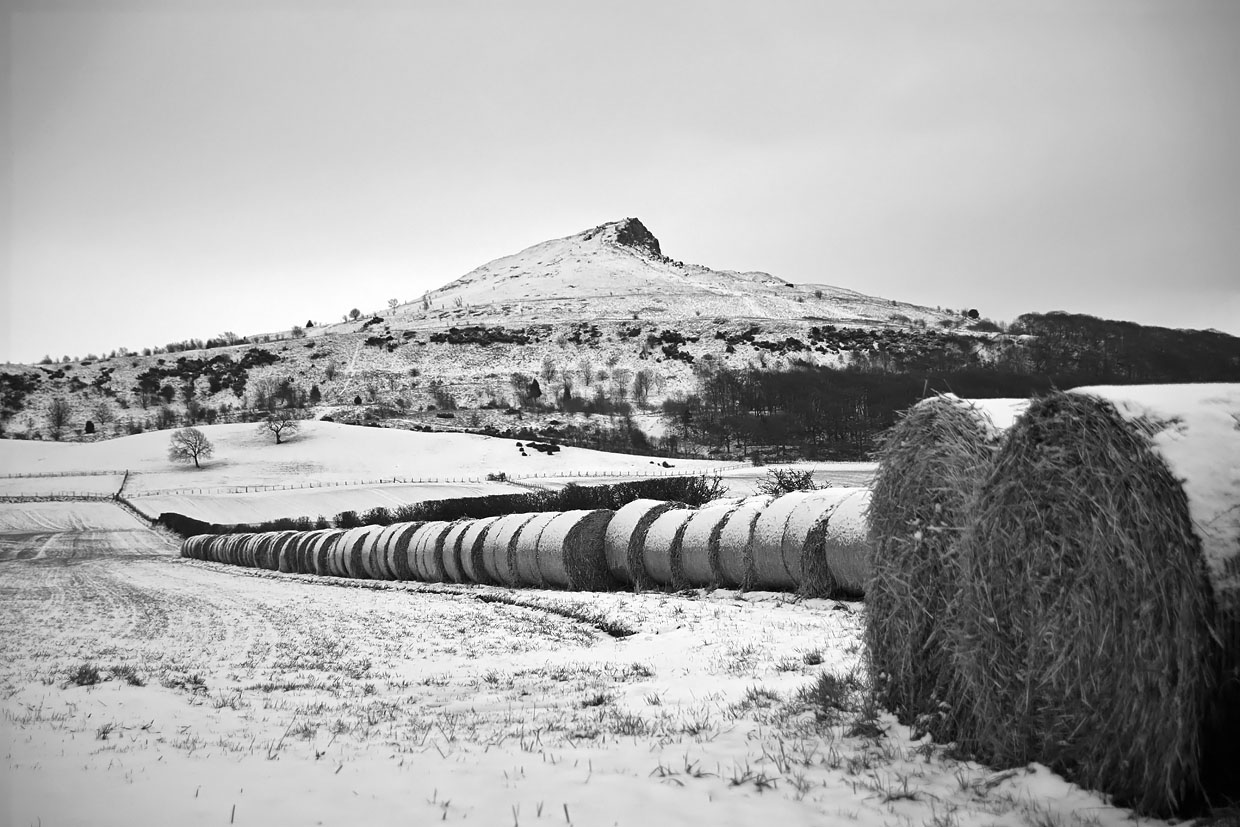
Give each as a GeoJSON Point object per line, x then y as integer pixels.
{"type": "Point", "coordinates": [452, 568]}
{"type": "Point", "coordinates": [282, 551]}
{"type": "Point", "coordinates": [499, 548]}
{"type": "Point", "coordinates": [661, 548]}
{"type": "Point", "coordinates": [1097, 628]}
{"type": "Point", "coordinates": [268, 550]}
{"type": "Point", "coordinates": [398, 553]}
{"type": "Point", "coordinates": [930, 465]}
{"type": "Point", "coordinates": [426, 551]}
{"type": "Point", "coordinates": [766, 551]}
{"type": "Point", "coordinates": [570, 551]}
{"type": "Point", "coordinates": [473, 543]}
{"type": "Point", "coordinates": [355, 550]}
{"type": "Point", "coordinates": [825, 546]}
{"type": "Point", "coordinates": [523, 557]}
{"type": "Point", "coordinates": [699, 543]}
{"type": "Point", "coordinates": [302, 557]}
{"type": "Point", "coordinates": [624, 541]}
{"type": "Point", "coordinates": [735, 558]}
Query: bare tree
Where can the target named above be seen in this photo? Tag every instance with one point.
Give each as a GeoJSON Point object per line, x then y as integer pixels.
{"type": "Point", "coordinates": [392, 305]}
{"type": "Point", "coordinates": [189, 444]}
{"type": "Point", "coordinates": [281, 423]}
{"type": "Point", "coordinates": [58, 414]}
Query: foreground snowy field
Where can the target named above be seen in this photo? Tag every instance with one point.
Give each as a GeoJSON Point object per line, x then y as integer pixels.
{"type": "Point", "coordinates": [233, 696]}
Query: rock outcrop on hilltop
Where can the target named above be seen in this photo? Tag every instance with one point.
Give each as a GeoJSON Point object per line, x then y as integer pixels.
{"type": "Point", "coordinates": [631, 232]}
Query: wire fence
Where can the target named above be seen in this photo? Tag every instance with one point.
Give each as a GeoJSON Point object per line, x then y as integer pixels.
{"type": "Point", "coordinates": [42, 474]}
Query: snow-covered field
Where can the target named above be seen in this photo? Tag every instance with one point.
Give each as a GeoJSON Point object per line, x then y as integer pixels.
{"type": "Point", "coordinates": [244, 697]}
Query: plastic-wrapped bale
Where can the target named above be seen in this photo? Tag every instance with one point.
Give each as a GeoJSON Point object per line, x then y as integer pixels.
{"type": "Point", "coordinates": [426, 551]}
{"type": "Point", "coordinates": [766, 551]}
{"type": "Point", "coordinates": [735, 558]}
{"type": "Point", "coordinates": [699, 543]}
{"type": "Point", "coordinates": [570, 551]}
{"type": "Point", "coordinates": [472, 551]}
{"type": "Point", "coordinates": [825, 546]}
{"type": "Point", "coordinates": [625, 540]}
{"type": "Point", "coordinates": [1097, 628]}
{"type": "Point", "coordinates": [500, 545]}
{"type": "Point", "coordinates": [453, 570]}
{"type": "Point", "coordinates": [523, 557]}
{"type": "Point", "coordinates": [399, 550]}
{"type": "Point", "coordinates": [661, 548]}
{"type": "Point", "coordinates": [930, 465]}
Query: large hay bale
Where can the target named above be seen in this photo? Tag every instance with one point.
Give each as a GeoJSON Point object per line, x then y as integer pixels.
{"type": "Point", "coordinates": [1097, 628]}
{"type": "Point", "coordinates": [570, 551]}
{"type": "Point", "coordinates": [472, 550]}
{"type": "Point", "coordinates": [499, 548]}
{"type": "Point", "coordinates": [268, 550]}
{"type": "Point", "coordinates": [399, 550]}
{"type": "Point", "coordinates": [192, 547]}
{"type": "Point", "coordinates": [624, 541]}
{"type": "Point", "coordinates": [282, 551]}
{"type": "Point", "coordinates": [699, 543]}
{"type": "Point", "coordinates": [426, 551]}
{"type": "Point", "coordinates": [826, 545]}
{"type": "Point", "coordinates": [661, 548]}
{"type": "Point", "coordinates": [930, 464]}
{"type": "Point", "coordinates": [523, 559]}
{"type": "Point", "coordinates": [734, 561]}
{"type": "Point", "coordinates": [320, 551]}
{"type": "Point", "coordinates": [374, 552]}
{"type": "Point", "coordinates": [302, 557]}
{"type": "Point", "coordinates": [766, 551]}
{"type": "Point", "coordinates": [453, 570]}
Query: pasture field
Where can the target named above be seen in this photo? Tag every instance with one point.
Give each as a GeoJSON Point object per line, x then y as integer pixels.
{"type": "Point", "coordinates": [141, 688]}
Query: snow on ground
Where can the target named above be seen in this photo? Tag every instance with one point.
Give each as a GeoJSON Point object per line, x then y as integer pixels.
{"type": "Point", "coordinates": [323, 452]}
{"type": "Point", "coordinates": [91, 485]}
{"type": "Point", "coordinates": [231, 696]}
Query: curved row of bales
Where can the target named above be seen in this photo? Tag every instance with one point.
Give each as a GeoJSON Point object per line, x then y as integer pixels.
{"type": "Point", "coordinates": [1058, 581]}
{"type": "Point", "coordinates": [811, 542]}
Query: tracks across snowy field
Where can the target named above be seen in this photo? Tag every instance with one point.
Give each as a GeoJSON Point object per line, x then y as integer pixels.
{"type": "Point", "coordinates": [257, 698]}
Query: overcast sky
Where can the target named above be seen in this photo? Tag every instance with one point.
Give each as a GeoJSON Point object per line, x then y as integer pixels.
{"type": "Point", "coordinates": [176, 172]}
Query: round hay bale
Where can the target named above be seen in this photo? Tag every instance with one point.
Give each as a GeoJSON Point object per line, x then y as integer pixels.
{"type": "Point", "coordinates": [268, 557]}
{"type": "Point", "coordinates": [661, 548]}
{"type": "Point", "coordinates": [473, 543]}
{"type": "Point", "coordinates": [302, 559]}
{"type": "Point", "coordinates": [523, 558]}
{"type": "Point", "coordinates": [499, 548]}
{"type": "Point", "coordinates": [570, 551]}
{"type": "Point", "coordinates": [191, 547]}
{"type": "Point", "coordinates": [930, 464]}
{"type": "Point", "coordinates": [734, 561]}
{"type": "Point", "coordinates": [699, 543]}
{"type": "Point", "coordinates": [374, 555]}
{"type": "Point", "coordinates": [1097, 627]}
{"type": "Point", "coordinates": [625, 539]}
{"type": "Point", "coordinates": [399, 551]}
{"type": "Point", "coordinates": [452, 568]}
{"type": "Point", "coordinates": [825, 546]}
{"type": "Point", "coordinates": [426, 551]}
{"type": "Point", "coordinates": [766, 551]}
{"type": "Point", "coordinates": [320, 551]}
{"type": "Point", "coordinates": [281, 551]}
{"type": "Point", "coordinates": [232, 549]}
{"type": "Point", "coordinates": [355, 551]}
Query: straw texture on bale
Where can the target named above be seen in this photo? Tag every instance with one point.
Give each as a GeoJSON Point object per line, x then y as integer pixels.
{"type": "Point", "coordinates": [374, 552]}
{"type": "Point", "coordinates": [452, 568]}
{"type": "Point", "coordinates": [1096, 626]}
{"type": "Point", "coordinates": [735, 558]}
{"type": "Point", "coordinates": [523, 556]}
{"type": "Point", "coordinates": [426, 551]}
{"type": "Point", "coordinates": [624, 541]}
{"type": "Point", "coordinates": [766, 551]}
{"type": "Point", "coordinates": [570, 551]}
{"type": "Point", "coordinates": [399, 551]}
{"type": "Point", "coordinates": [321, 549]}
{"type": "Point", "coordinates": [499, 548]}
{"type": "Point", "coordinates": [825, 546]}
{"type": "Point", "coordinates": [699, 543]}
{"type": "Point", "coordinates": [349, 551]}
{"type": "Point", "coordinates": [473, 542]}
{"type": "Point", "coordinates": [282, 551]}
{"type": "Point", "coordinates": [929, 467]}
{"type": "Point", "coordinates": [269, 558]}
{"type": "Point", "coordinates": [303, 551]}
{"type": "Point", "coordinates": [661, 548]}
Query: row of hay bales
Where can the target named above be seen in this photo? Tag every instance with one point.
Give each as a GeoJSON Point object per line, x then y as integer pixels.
{"type": "Point", "coordinates": [1059, 581]}
{"type": "Point", "coordinates": [812, 542]}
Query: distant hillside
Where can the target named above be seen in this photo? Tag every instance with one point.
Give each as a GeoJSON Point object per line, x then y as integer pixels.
{"type": "Point", "coordinates": [601, 340]}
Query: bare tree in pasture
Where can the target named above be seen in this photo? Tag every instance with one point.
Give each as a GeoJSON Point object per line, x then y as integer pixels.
{"type": "Point", "coordinates": [189, 445]}
{"type": "Point", "coordinates": [280, 423]}
{"type": "Point", "coordinates": [58, 413]}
